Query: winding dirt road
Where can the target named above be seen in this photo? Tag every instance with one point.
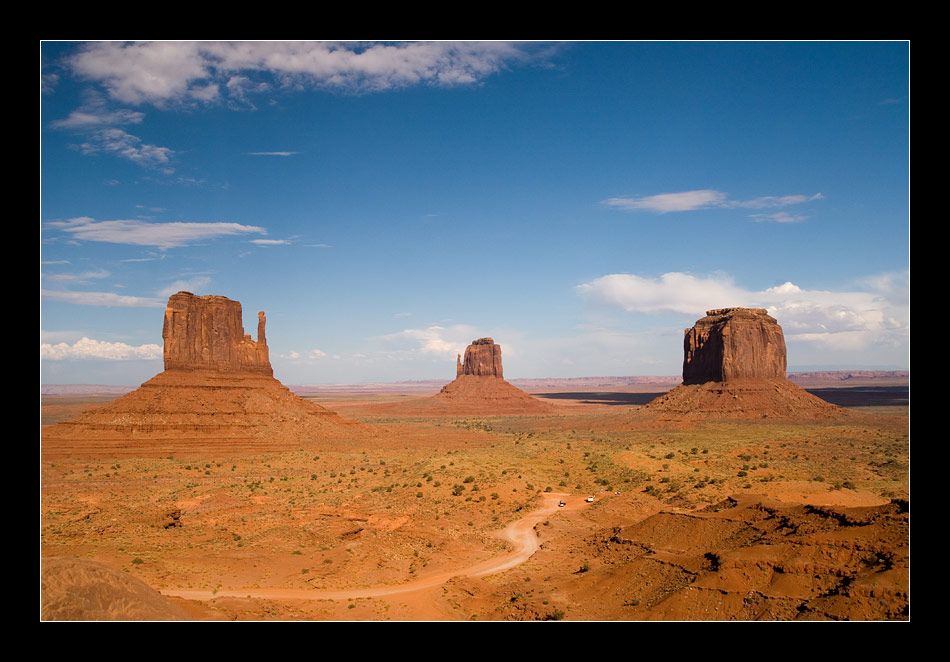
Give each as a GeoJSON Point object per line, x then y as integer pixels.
{"type": "Point", "coordinates": [520, 533]}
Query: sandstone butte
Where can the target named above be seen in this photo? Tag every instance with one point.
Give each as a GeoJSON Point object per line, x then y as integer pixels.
{"type": "Point", "coordinates": [734, 367]}
{"type": "Point", "coordinates": [218, 385]}
{"type": "Point", "coordinates": [480, 388]}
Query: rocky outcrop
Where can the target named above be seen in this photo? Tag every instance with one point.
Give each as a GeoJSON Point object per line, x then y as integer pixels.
{"type": "Point", "coordinates": [207, 333]}
{"type": "Point", "coordinates": [218, 386]}
{"type": "Point", "coordinates": [734, 367]}
{"type": "Point", "coordinates": [733, 344]}
{"type": "Point", "coordinates": [482, 359]}
{"type": "Point", "coordinates": [480, 388]}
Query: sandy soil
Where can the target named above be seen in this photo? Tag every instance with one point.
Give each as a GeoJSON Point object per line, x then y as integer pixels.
{"type": "Point", "coordinates": [450, 518]}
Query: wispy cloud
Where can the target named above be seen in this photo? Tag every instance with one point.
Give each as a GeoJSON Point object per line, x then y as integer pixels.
{"type": "Point", "coordinates": [667, 202]}
{"type": "Point", "coordinates": [430, 342]}
{"type": "Point", "coordinates": [102, 299]}
{"type": "Point", "coordinates": [87, 348]}
{"type": "Point", "coordinates": [878, 313]}
{"type": "Point", "coordinates": [271, 242]}
{"type": "Point", "coordinates": [308, 356]}
{"type": "Point", "coordinates": [98, 117]}
{"type": "Point", "coordinates": [83, 277]}
{"type": "Point", "coordinates": [272, 153]}
{"type": "Point", "coordinates": [188, 72]}
{"type": "Point", "coordinates": [779, 217]}
{"type": "Point", "coordinates": [195, 285]}
{"type": "Point", "coordinates": [123, 144]}
{"type": "Point", "coordinates": [704, 199]}
{"type": "Point", "coordinates": [141, 233]}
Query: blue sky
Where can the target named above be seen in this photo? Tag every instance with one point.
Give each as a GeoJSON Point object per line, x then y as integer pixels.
{"type": "Point", "coordinates": [385, 204]}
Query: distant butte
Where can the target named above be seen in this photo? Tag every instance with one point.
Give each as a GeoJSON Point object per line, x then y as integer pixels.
{"type": "Point", "coordinates": [218, 385]}
{"type": "Point", "coordinates": [734, 367]}
{"type": "Point", "coordinates": [479, 386]}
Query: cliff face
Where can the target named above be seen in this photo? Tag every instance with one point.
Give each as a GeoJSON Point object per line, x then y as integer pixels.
{"type": "Point", "coordinates": [217, 387]}
{"type": "Point", "coordinates": [207, 333]}
{"type": "Point", "coordinates": [734, 344]}
{"type": "Point", "coordinates": [482, 359]}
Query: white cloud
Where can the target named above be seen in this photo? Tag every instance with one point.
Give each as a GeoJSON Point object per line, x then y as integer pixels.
{"type": "Point", "coordinates": [141, 233]}
{"type": "Point", "coordinates": [667, 202]}
{"type": "Point", "coordinates": [432, 341]}
{"type": "Point", "coordinates": [102, 299]}
{"type": "Point", "coordinates": [79, 278]}
{"type": "Point", "coordinates": [774, 201]}
{"type": "Point", "coordinates": [98, 117]}
{"type": "Point", "coordinates": [272, 153]}
{"type": "Point", "coordinates": [182, 72]}
{"type": "Point", "coordinates": [672, 292]}
{"type": "Point", "coordinates": [125, 145]}
{"type": "Point", "coordinates": [86, 348]}
{"type": "Point", "coordinates": [311, 355]}
{"type": "Point", "coordinates": [707, 199]}
{"type": "Point", "coordinates": [778, 217]}
{"type": "Point", "coordinates": [193, 285]}
{"type": "Point", "coordinates": [877, 315]}
{"type": "Point", "coordinates": [271, 242]}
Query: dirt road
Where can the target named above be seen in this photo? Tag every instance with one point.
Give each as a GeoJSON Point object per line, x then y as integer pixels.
{"type": "Point", "coordinates": [520, 533]}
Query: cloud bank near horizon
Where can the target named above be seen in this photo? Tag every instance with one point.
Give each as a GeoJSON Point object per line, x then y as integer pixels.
{"type": "Point", "coordinates": [88, 348]}
{"type": "Point", "coordinates": [846, 320]}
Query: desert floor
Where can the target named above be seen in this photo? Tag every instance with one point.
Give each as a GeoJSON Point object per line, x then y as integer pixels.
{"type": "Point", "coordinates": [457, 518]}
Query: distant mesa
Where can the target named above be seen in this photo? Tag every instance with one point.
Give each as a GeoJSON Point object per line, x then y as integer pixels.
{"type": "Point", "coordinates": [482, 359]}
{"type": "Point", "coordinates": [734, 367]}
{"type": "Point", "coordinates": [479, 386]}
{"type": "Point", "coordinates": [218, 385]}
{"type": "Point", "coordinates": [731, 344]}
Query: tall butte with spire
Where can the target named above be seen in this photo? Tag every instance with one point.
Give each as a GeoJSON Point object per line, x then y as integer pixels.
{"type": "Point", "coordinates": [734, 367]}
{"type": "Point", "coordinates": [480, 387]}
{"type": "Point", "coordinates": [217, 386]}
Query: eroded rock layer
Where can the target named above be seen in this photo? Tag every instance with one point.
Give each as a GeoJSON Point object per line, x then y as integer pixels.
{"type": "Point", "coordinates": [732, 344]}
{"type": "Point", "coordinates": [479, 387]}
{"type": "Point", "coordinates": [482, 359]}
{"type": "Point", "coordinates": [217, 385]}
{"type": "Point", "coordinates": [734, 367]}
{"type": "Point", "coordinates": [207, 333]}
{"type": "Point", "coordinates": [750, 558]}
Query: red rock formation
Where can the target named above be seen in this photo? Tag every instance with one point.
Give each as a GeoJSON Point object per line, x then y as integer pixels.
{"type": "Point", "coordinates": [207, 333]}
{"type": "Point", "coordinates": [218, 386]}
{"type": "Point", "coordinates": [479, 387]}
{"type": "Point", "coordinates": [483, 359]}
{"type": "Point", "coordinates": [734, 367]}
{"type": "Point", "coordinates": [732, 344]}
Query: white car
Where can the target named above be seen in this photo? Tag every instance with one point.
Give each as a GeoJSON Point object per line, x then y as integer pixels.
{"type": "Point", "coordinates": [561, 504]}
{"type": "Point", "coordinates": [590, 499]}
